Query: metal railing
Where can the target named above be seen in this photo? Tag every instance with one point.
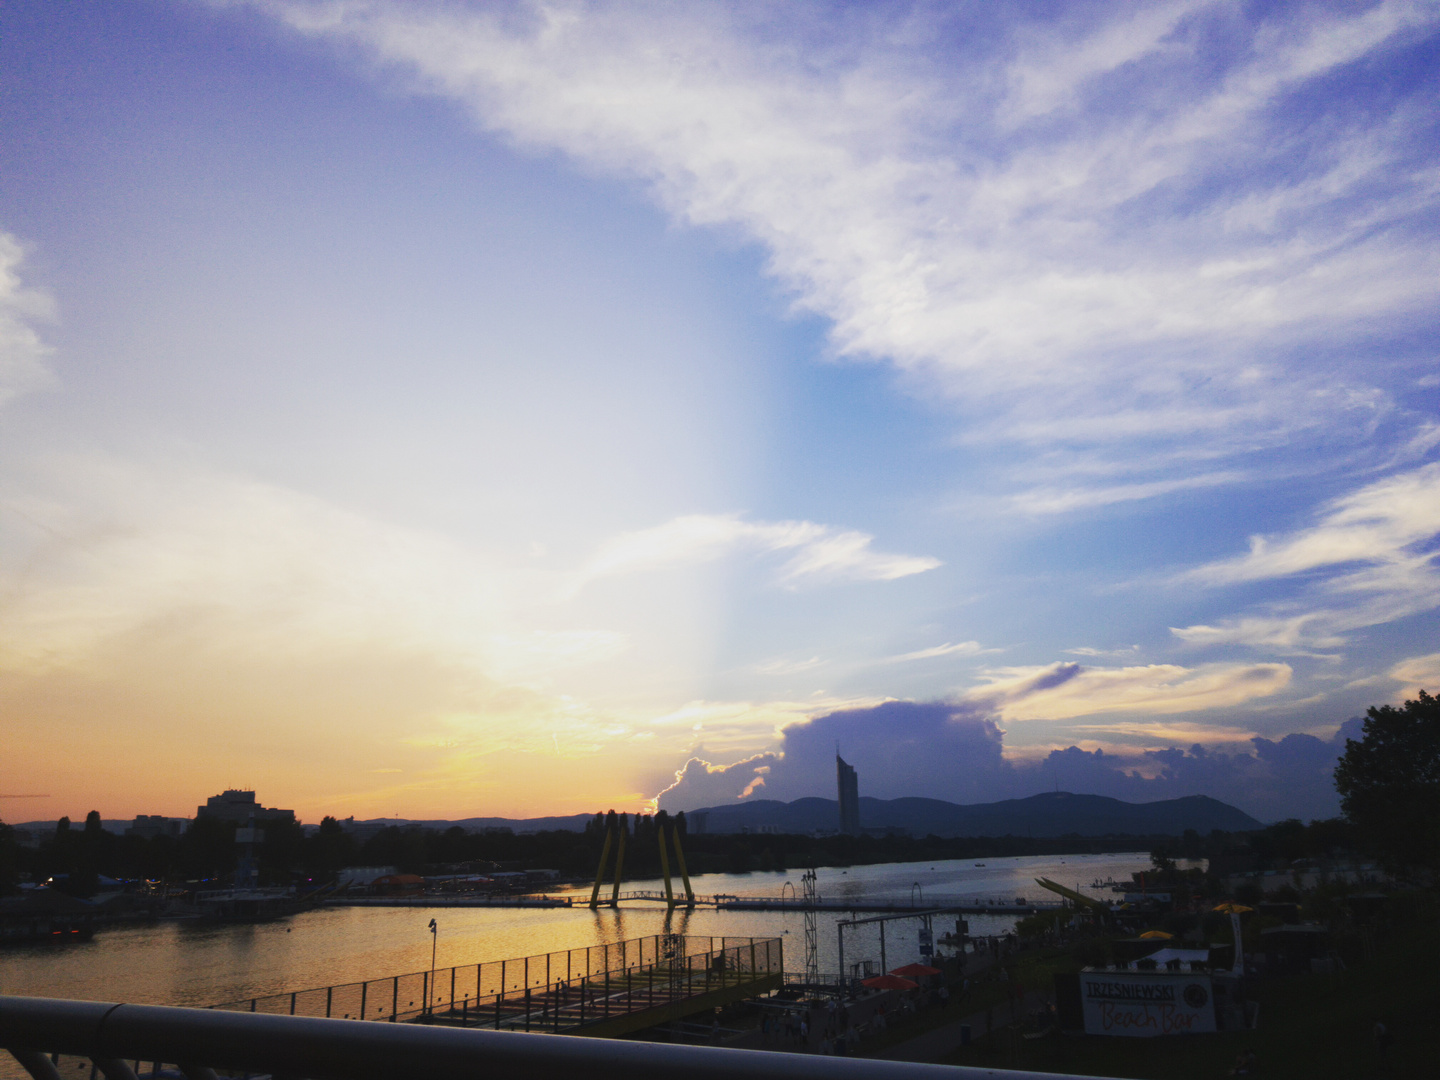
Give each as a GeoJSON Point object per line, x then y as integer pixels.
{"type": "Point", "coordinates": [126, 1041]}
{"type": "Point", "coordinates": [546, 992]}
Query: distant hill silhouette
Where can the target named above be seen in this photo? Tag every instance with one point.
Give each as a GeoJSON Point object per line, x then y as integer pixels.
{"type": "Point", "coordinates": [1050, 814]}
{"type": "Point", "coordinates": [1057, 813]}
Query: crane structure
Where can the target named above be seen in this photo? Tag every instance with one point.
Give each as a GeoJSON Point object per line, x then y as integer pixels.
{"type": "Point", "coordinates": [812, 933]}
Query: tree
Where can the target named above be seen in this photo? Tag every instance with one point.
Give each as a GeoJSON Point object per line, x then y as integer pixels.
{"type": "Point", "coordinates": [329, 850]}
{"type": "Point", "coordinates": [9, 859]}
{"type": "Point", "coordinates": [1389, 785]}
{"type": "Point", "coordinates": [1162, 861]}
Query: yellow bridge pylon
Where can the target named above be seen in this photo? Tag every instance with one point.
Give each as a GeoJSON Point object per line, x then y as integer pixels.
{"type": "Point", "coordinates": [615, 834]}
{"type": "Point", "coordinates": [663, 825]}
{"type": "Point", "coordinates": [667, 834]}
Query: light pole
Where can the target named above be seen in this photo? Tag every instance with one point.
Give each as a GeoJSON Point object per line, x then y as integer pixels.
{"type": "Point", "coordinates": [434, 941]}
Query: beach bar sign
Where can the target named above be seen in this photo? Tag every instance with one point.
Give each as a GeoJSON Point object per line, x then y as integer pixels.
{"type": "Point", "coordinates": [1146, 1004]}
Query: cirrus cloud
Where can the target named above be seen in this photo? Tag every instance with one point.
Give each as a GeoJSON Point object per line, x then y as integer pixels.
{"type": "Point", "coordinates": [1089, 227]}
{"type": "Point", "coordinates": [817, 553]}
{"type": "Point", "coordinates": [1067, 690]}
{"type": "Point", "coordinates": [1368, 560]}
{"type": "Point", "coordinates": [22, 352]}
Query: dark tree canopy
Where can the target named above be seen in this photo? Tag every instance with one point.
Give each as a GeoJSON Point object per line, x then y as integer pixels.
{"type": "Point", "coordinates": [1389, 784]}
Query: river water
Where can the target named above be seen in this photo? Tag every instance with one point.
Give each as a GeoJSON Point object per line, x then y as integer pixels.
{"type": "Point", "coordinates": [190, 963]}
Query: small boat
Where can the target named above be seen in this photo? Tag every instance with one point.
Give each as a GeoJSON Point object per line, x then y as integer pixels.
{"type": "Point", "coordinates": [979, 864]}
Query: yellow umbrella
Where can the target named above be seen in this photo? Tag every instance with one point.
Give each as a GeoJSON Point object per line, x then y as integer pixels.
{"type": "Point", "coordinates": [1156, 934]}
{"type": "Point", "coordinates": [1229, 907]}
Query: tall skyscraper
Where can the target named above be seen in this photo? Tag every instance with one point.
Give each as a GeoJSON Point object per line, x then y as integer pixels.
{"type": "Point", "coordinates": [849, 783]}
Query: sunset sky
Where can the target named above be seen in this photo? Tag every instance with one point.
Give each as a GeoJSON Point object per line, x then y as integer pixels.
{"type": "Point", "coordinates": [446, 409]}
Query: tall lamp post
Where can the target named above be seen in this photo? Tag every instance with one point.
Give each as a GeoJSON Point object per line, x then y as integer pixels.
{"type": "Point", "coordinates": [434, 941]}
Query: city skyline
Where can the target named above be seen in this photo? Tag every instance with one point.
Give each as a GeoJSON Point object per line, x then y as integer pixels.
{"type": "Point", "coordinates": [446, 409]}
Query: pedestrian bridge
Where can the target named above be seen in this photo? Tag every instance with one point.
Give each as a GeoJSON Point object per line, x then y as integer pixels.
{"type": "Point", "coordinates": [965, 905]}
{"type": "Point", "coordinates": [603, 990]}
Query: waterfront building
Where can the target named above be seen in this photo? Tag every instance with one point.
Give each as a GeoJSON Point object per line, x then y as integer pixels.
{"type": "Point", "coordinates": [849, 784]}
{"type": "Point", "coordinates": [240, 807]}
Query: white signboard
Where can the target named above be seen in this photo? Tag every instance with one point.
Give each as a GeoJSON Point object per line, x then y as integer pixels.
{"type": "Point", "coordinates": [1142, 1004]}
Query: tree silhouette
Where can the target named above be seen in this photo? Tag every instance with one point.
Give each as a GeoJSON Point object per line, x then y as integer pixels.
{"type": "Point", "coordinates": [1389, 785]}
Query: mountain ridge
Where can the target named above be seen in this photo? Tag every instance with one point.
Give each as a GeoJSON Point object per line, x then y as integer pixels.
{"type": "Point", "coordinates": [1047, 814]}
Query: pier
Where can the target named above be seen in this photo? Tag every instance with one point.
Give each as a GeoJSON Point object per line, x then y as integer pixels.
{"type": "Point", "coordinates": [456, 900]}
{"type": "Point", "coordinates": [963, 905]}
{"type": "Point", "coordinates": [604, 990]}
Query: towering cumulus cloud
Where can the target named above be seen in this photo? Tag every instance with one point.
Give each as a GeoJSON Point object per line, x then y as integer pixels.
{"type": "Point", "coordinates": [952, 751]}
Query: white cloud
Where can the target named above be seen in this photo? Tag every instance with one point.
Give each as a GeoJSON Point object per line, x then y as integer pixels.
{"type": "Point", "coordinates": [1087, 650]}
{"type": "Point", "coordinates": [1051, 74]}
{"type": "Point", "coordinates": [119, 552]}
{"type": "Point", "coordinates": [1418, 673]}
{"type": "Point", "coordinates": [962, 648]}
{"type": "Point", "coordinates": [1295, 633]}
{"type": "Point", "coordinates": [789, 667]}
{"type": "Point", "coordinates": [818, 553]}
{"type": "Point", "coordinates": [1136, 272]}
{"type": "Point", "coordinates": [1374, 544]}
{"type": "Point", "coordinates": [22, 352]}
{"type": "Point", "coordinates": [1376, 524]}
{"type": "Point", "coordinates": [1062, 500]}
{"type": "Point", "coordinates": [741, 727]}
{"type": "Point", "coordinates": [1064, 691]}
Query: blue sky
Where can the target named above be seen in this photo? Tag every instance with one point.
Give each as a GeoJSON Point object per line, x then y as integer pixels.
{"type": "Point", "coordinates": [443, 409]}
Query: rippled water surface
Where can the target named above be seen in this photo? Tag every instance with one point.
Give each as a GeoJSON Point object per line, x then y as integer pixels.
{"type": "Point", "coordinates": [187, 963]}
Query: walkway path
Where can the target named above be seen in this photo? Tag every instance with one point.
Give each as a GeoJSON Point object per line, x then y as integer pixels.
{"type": "Point", "coordinates": [940, 1042]}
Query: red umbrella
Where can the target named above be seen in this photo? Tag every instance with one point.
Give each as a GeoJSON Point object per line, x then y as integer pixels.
{"type": "Point", "coordinates": [890, 982]}
{"type": "Point", "coordinates": [912, 970]}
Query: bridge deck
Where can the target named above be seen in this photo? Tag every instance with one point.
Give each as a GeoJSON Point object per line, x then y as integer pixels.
{"type": "Point", "coordinates": [964, 905]}
{"type": "Point", "coordinates": [975, 905]}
